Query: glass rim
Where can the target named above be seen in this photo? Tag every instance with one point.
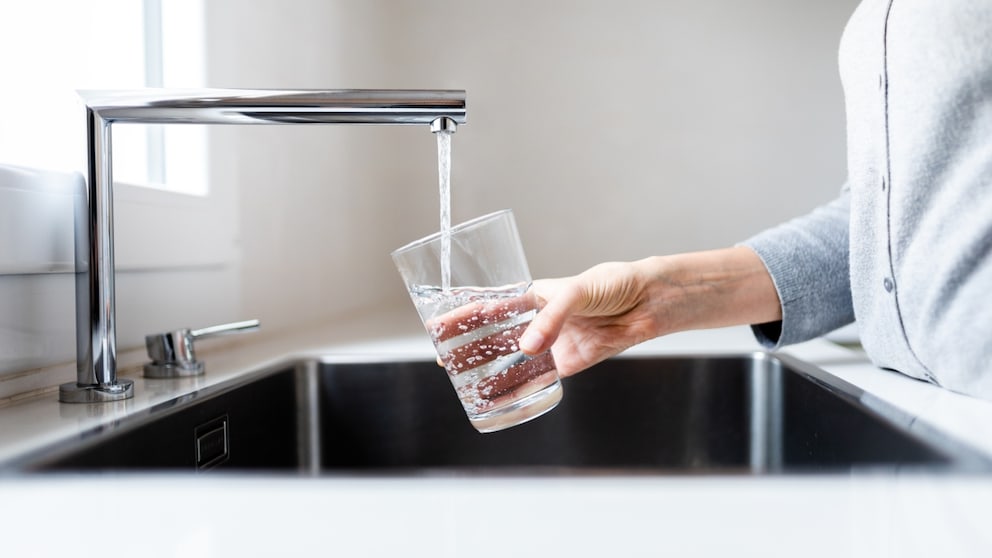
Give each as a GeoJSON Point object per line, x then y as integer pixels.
{"type": "Point", "coordinates": [455, 229]}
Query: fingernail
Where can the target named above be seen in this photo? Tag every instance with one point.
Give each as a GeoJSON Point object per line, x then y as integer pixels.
{"type": "Point", "coordinates": [531, 341]}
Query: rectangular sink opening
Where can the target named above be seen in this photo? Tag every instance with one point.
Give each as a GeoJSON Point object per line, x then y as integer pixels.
{"type": "Point", "coordinates": [743, 414]}
{"type": "Point", "coordinates": [713, 414]}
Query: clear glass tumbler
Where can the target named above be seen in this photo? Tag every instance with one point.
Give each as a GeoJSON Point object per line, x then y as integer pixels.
{"type": "Point", "coordinates": [476, 319]}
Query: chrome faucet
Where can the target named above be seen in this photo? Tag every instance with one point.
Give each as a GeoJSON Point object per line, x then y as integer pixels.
{"type": "Point", "coordinates": [96, 338]}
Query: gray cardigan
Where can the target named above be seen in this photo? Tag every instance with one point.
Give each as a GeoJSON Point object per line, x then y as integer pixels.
{"type": "Point", "coordinates": [907, 247]}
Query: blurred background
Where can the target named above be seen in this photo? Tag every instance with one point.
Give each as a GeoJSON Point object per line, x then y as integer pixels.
{"type": "Point", "coordinates": [614, 130]}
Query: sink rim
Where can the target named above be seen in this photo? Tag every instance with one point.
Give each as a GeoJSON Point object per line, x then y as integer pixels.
{"type": "Point", "coordinates": [964, 457]}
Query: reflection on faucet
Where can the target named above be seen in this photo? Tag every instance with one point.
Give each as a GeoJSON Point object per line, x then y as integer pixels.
{"type": "Point", "coordinates": [96, 350]}
{"type": "Point", "coordinates": [172, 354]}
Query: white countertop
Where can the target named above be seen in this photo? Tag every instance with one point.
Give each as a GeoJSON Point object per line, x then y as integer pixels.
{"type": "Point", "coordinates": [172, 515]}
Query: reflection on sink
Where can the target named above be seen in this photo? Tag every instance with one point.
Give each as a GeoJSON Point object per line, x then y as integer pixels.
{"type": "Point", "coordinates": [746, 414]}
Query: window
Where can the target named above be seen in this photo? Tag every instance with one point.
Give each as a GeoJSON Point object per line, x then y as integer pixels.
{"type": "Point", "coordinates": [66, 45]}
{"type": "Point", "coordinates": [62, 46]}
{"type": "Point", "coordinates": [162, 239]}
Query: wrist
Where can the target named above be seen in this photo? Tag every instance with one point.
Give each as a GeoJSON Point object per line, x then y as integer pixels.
{"type": "Point", "coordinates": [715, 288]}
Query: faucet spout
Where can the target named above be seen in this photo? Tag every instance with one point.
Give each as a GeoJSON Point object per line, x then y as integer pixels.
{"type": "Point", "coordinates": [444, 124]}
{"type": "Point", "coordinates": [96, 338]}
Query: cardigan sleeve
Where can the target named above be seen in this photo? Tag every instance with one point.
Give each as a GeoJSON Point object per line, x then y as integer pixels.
{"type": "Point", "coordinates": [808, 260]}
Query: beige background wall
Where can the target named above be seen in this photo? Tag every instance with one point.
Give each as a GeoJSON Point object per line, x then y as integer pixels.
{"type": "Point", "coordinates": [615, 130]}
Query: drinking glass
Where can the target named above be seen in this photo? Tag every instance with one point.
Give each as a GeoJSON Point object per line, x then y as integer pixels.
{"type": "Point", "coordinates": [475, 311]}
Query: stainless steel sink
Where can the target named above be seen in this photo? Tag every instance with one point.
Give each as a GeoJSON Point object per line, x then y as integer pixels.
{"type": "Point", "coordinates": [743, 414]}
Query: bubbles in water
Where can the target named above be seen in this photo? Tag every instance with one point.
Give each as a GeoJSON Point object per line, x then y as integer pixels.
{"type": "Point", "coordinates": [475, 331]}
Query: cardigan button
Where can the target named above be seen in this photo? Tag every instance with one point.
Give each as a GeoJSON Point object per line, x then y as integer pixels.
{"type": "Point", "coordinates": [887, 285]}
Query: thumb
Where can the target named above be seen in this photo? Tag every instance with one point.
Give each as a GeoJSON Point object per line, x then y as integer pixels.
{"type": "Point", "coordinates": [547, 324]}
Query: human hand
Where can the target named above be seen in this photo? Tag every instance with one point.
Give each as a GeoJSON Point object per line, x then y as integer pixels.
{"type": "Point", "coordinates": [591, 316]}
{"type": "Point", "coordinates": [611, 307]}
{"type": "Point", "coordinates": [586, 318]}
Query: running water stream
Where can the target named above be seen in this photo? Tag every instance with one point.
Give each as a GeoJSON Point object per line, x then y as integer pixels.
{"type": "Point", "coordinates": [444, 187]}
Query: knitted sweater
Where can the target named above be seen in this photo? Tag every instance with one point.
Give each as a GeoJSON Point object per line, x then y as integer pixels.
{"type": "Point", "coordinates": [907, 247]}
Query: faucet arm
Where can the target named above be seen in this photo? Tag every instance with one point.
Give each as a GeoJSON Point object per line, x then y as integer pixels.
{"type": "Point", "coordinates": [271, 106]}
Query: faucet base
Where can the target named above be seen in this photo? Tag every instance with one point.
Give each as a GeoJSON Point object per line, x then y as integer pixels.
{"type": "Point", "coordinates": [169, 370]}
{"type": "Point", "coordinates": [72, 392]}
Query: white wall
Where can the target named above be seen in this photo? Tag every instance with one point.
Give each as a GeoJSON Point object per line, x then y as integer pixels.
{"type": "Point", "coordinates": [615, 130]}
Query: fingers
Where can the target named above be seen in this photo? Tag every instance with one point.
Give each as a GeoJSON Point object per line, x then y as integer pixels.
{"type": "Point", "coordinates": [534, 340]}
{"type": "Point", "coordinates": [547, 324]}
{"type": "Point", "coordinates": [471, 316]}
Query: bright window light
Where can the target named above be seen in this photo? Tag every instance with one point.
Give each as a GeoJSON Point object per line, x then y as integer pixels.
{"type": "Point", "coordinates": [53, 50]}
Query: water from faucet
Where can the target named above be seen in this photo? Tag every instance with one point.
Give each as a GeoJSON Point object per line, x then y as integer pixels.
{"type": "Point", "coordinates": [444, 186]}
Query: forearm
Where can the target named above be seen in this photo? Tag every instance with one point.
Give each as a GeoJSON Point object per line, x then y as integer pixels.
{"type": "Point", "coordinates": [708, 289]}
{"type": "Point", "coordinates": [613, 306]}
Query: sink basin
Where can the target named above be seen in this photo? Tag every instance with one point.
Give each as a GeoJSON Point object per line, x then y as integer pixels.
{"type": "Point", "coordinates": [740, 414]}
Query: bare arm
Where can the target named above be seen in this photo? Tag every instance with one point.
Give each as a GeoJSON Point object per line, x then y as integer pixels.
{"type": "Point", "coordinates": [613, 306]}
